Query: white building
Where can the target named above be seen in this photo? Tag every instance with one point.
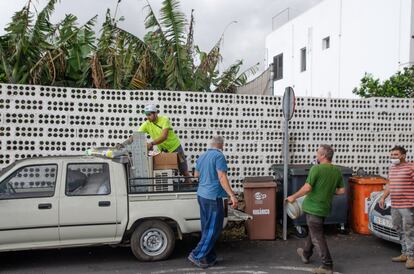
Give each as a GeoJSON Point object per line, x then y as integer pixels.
{"type": "Point", "coordinates": [325, 51]}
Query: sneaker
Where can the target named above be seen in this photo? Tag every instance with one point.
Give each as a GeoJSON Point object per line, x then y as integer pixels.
{"type": "Point", "coordinates": [196, 262]}
{"type": "Point", "coordinates": [212, 263]}
{"type": "Point", "coordinates": [400, 259]}
{"type": "Point", "coordinates": [302, 257]}
{"type": "Point", "coordinates": [323, 270]}
{"type": "Point", "coordinates": [409, 263]}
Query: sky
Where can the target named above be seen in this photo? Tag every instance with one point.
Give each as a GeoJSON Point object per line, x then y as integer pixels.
{"type": "Point", "coordinates": [245, 23]}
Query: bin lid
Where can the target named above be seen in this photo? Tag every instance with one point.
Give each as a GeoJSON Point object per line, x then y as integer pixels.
{"type": "Point", "coordinates": [303, 169]}
{"type": "Point", "coordinates": [368, 180]}
{"type": "Point", "coordinates": [258, 179]}
{"type": "Point", "coordinates": [269, 184]}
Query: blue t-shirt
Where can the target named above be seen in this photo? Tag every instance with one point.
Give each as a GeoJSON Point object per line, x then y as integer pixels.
{"type": "Point", "coordinates": [207, 165]}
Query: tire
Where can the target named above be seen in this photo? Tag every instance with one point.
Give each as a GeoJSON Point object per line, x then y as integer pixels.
{"type": "Point", "coordinates": [301, 231]}
{"type": "Point", "coordinates": [152, 241]}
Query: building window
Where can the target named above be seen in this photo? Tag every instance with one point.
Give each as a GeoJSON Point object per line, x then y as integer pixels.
{"type": "Point", "coordinates": [303, 59]}
{"type": "Point", "coordinates": [278, 67]}
{"type": "Point", "coordinates": [326, 43]}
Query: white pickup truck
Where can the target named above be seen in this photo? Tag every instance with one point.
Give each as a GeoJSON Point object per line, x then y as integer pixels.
{"type": "Point", "coordinates": [68, 201]}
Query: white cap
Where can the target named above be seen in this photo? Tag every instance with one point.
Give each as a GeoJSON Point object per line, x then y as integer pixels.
{"type": "Point", "coordinates": [150, 108]}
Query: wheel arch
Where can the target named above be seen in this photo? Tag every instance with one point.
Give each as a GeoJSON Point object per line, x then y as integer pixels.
{"type": "Point", "coordinates": [172, 223]}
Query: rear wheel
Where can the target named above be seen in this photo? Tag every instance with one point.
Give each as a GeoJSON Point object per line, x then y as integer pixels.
{"type": "Point", "coordinates": [152, 241]}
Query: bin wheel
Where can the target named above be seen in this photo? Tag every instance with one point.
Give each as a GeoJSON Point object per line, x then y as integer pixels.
{"type": "Point", "coordinates": [301, 231]}
{"type": "Point", "coordinates": [343, 229]}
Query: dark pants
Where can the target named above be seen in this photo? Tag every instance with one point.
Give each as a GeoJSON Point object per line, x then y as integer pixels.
{"type": "Point", "coordinates": [212, 217]}
{"type": "Point", "coordinates": [182, 161]}
{"type": "Point", "coordinates": [316, 238]}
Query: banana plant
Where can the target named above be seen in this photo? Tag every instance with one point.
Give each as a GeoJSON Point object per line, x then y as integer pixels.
{"type": "Point", "coordinates": [35, 51]}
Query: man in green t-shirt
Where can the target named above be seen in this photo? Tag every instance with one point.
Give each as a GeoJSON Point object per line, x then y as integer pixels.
{"type": "Point", "coordinates": [323, 182]}
{"type": "Point", "coordinates": [159, 128]}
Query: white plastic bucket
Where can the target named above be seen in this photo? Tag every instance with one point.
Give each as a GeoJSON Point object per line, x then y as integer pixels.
{"type": "Point", "coordinates": [294, 210]}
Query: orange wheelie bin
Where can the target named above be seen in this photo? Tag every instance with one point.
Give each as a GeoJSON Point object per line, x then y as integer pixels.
{"type": "Point", "coordinates": [361, 188]}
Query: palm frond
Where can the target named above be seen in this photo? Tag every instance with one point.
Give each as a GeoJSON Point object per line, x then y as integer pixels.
{"type": "Point", "coordinates": [225, 83]}
{"type": "Point", "coordinates": [152, 24]}
{"type": "Point", "coordinates": [190, 41]}
{"type": "Point", "coordinates": [173, 21]}
{"type": "Point", "coordinates": [210, 61]}
{"type": "Point", "coordinates": [97, 73]}
{"type": "Point", "coordinates": [42, 27]}
{"type": "Point", "coordinates": [140, 45]}
{"type": "Point", "coordinates": [206, 71]}
{"type": "Point", "coordinates": [5, 67]}
{"type": "Point", "coordinates": [242, 78]}
{"type": "Point", "coordinates": [143, 74]}
{"type": "Point", "coordinates": [151, 21]}
{"type": "Point", "coordinates": [20, 23]}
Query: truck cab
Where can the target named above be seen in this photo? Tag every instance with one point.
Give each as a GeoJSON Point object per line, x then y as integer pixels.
{"type": "Point", "coordinates": [62, 201]}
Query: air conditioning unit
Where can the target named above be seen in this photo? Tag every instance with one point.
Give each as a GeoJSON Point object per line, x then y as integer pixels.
{"type": "Point", "coordinates": [161, 183]}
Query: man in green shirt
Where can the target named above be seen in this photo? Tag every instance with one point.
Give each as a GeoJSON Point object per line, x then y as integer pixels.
{"type": "Point", "coordinates": [159, 128]}
{"type": "Point", "coordinates": [323, 181]}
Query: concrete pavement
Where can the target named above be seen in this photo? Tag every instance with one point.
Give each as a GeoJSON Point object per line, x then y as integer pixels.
{"type": "Point", "coordinates": [351, 253]}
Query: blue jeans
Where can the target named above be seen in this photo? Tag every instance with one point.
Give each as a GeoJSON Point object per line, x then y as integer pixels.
{"type": "Point", "coordinates": [212, 217]}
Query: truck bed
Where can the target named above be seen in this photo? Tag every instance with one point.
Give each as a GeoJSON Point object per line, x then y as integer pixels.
{"type": "Point", "coordinates": [181, 207]}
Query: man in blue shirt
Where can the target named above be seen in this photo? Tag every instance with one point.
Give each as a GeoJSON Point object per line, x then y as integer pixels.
{"type": "Point", "coordinates": [211, 169]}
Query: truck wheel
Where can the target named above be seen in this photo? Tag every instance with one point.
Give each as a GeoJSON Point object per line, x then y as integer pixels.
{"type": "Point", "coordinates": [152, 241]}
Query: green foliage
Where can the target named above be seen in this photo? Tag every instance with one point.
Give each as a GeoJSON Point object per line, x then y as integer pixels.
{"type": "Point", "coordinates": [400, 85]}
{"type": "Point", "coordinates": [35, 51]}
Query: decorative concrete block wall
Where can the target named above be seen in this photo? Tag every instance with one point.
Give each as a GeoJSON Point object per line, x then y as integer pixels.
{"type": "Point", "coordinates": [39, 120]}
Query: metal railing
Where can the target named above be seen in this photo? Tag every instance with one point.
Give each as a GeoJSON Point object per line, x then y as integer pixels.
{"type": "Point", "coordinates": [178, 184]}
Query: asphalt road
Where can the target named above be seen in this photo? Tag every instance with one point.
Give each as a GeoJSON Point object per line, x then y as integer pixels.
{"type": "Point", "coordinates": [351, 253]}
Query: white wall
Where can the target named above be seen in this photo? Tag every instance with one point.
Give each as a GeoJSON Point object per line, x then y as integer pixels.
{"type": "Point", "coordinates": [40, 120]}
{"type": "Point", "coordinates": [365, 36]}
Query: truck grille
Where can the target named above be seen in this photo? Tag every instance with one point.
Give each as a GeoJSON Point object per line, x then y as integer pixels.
{"type": "Point", "coordinates": [385, 230]}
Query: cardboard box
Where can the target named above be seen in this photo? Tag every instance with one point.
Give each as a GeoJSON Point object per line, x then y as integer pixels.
{"type": "Point", "coordinates": [165, 161]}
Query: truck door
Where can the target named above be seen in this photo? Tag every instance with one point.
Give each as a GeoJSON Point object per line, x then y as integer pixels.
{"type": "Point", "coordinates": [87, 204]}
{"type": "Point", "coordinates": [29, 207]}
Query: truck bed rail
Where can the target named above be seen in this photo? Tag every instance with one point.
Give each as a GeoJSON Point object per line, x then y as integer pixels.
{"type": "Point", "coordinates": [139, 185]}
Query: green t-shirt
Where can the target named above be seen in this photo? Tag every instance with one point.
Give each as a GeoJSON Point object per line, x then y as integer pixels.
{"type": "Point", "coordinates": [324, 179]}
{"type": "Point", "coordinates": [154, 130]}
